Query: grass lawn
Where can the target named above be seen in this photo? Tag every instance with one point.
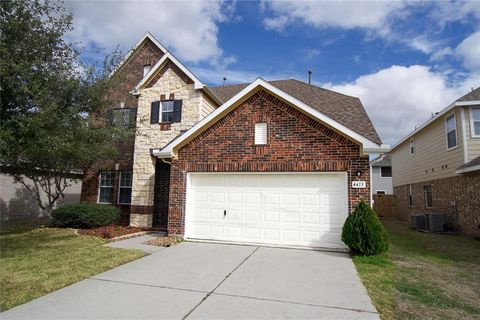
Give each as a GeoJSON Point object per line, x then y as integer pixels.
{"type": "Point", "coordinates": [34, 263]}
{"type": "Point", "coordinates": [424, 276]}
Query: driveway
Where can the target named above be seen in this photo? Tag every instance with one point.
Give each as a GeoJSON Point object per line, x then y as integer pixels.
{"type": "Point", "coordinates": [214, 281]}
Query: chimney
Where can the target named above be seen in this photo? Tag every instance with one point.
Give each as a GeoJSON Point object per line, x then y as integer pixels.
{"type": "Point", "coordinates": [309, 77]}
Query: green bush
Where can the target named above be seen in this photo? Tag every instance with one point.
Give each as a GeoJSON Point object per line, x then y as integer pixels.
{"type": "Point", "coordinates": [363, 232]}
{"type": "Point", "coordinates": [84, 215]}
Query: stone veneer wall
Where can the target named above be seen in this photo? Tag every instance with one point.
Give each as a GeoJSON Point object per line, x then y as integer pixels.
{"type": "Point", "coordinates": [171, 81]}
{"type": "Point", "coordinates": [296, 143]}
{"type": "Point", "coordinates": [463, 189]}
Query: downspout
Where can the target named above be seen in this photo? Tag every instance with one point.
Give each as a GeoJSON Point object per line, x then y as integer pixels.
{"type": "Point", "coordinates": [371, 194]}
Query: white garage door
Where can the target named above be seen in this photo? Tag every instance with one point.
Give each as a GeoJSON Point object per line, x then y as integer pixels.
{"type": "Point", "coordinates": [283, 209]}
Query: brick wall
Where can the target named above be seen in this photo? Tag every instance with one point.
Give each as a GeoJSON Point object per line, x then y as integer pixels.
{"type": "Point", "coordinates": [464, 190]}
{"type": "Point", "coordinates": [296, 143]}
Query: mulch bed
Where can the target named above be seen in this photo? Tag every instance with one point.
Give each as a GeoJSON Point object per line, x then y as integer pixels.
{"type": "Point", "coordinates": [112, 231]}
{"type": "Point", "coordinates": [164, 241]}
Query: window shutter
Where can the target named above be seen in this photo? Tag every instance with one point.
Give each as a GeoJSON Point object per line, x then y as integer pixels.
{"type": "Point", "coordinates": [132, 119]}
{"type": "Point", "coordinates": [177, 111]}
{"type": "Point", "coordinates": [154, 112]}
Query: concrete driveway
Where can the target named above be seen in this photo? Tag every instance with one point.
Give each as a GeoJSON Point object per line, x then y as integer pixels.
{"type": "Point", "coordinates": [214, 281]}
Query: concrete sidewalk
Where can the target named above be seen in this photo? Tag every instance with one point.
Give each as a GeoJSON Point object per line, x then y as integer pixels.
{"type": "Point", "coordinates": [214, 281]}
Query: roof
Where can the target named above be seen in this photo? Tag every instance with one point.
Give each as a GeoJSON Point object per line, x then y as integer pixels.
{"type": "Point", "coordinates": [367, 145]}
{"type": "Point", "coordinates": [469, 99]}
{"type": "Point", "coordinates": [345, 109]}
{"type": "Point", "coordinates": [383, 160]}
{"type": "Point", "coordinates": [472, 165]}
{"type": "Point", "coordinates": [471, 96]}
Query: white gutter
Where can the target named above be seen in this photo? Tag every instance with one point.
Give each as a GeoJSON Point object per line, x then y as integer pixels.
{"type": "Point", "coordinates": [469, 169]}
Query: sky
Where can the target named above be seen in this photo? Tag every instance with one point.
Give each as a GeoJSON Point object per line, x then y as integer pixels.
{"type": "Point", "coordinates": [405, 60]}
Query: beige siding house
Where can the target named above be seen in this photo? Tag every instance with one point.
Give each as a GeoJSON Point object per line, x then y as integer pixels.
{"type": "Point", "coordinates": [434, 167]}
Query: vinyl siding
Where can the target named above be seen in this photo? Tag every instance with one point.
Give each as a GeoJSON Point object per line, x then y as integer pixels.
{"type": "Point", "coordinates": [379, 183]}
{"type": "Point", "coordinates": [431, 153]}
{"type": "Point", "coordinates": [206, 107]}
{"type": "Point", "coordinates": [473, 143]}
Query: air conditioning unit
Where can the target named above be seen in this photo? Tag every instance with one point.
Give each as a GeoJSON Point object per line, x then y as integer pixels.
{"type": "Point", "coordinates": [417, 221]}
{"type": "Point", "coordinates": [436, 222]}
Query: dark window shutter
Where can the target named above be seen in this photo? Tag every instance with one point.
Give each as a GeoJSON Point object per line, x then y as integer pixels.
{"type": "Point", "coordinates": [154, 112]}
{"type": "Point", "coordinates": [132, 119]}
{"type": "Point", "coordinates": [177, 111]}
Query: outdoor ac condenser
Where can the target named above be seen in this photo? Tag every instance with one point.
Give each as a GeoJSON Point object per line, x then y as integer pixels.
{"type": "Point", "coordinates": [436, 222]}
{"type": "Point", "coordinates": [417, 221]}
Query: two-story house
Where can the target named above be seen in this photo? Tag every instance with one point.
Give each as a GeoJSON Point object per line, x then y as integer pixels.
{"type": "Point", "coordinates": [436, 168]}
{"type": "Point", "coordinates": [381, 172]}
{"type": "Point", "coordinates": [276, 162]}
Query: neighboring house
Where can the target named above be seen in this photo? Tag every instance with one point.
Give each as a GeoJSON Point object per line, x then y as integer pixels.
{"type": "Point", "coordinates": [436, 168]}
{"type": "Point", "coordinates": [17, 202]}
{"type": "Point", "coordinates": [279, 162]}
{"type": "Point", "coordinates": [381, 171]}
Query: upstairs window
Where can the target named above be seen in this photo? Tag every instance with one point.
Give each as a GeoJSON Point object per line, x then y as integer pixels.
{"type": "Point", "coordinates": [451, 128]}
{"type": "Point", "coordinates": [475, 122]}
{"type": "Point", "coordinates": [124, 118]}
{"type": "Point", "coordinates": [105, 189]}
{"type": "Point", "coordinates": [386, 172]}
{"type": "Point", "coordinates": [260, 133]}
{"type": "Point", "coordinates": [125, 187]}
{"type": "Point", "coordinates": [146, 69]}
{"type": "Point", "coordinates": [166, 111]}
{"type": "Point", "coordinates": [428, 196]}
{"type": "Point", "coordinates": [412, 147]}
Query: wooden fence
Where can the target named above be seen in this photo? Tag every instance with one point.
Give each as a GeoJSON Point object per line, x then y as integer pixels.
{"type": "Point", "coordinates": [385, 206]}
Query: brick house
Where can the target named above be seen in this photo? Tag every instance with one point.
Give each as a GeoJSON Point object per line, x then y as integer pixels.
{"type": "Point", "coordinates": [436, 168]}
{"type": "Point", "coordinates": [279, 162]}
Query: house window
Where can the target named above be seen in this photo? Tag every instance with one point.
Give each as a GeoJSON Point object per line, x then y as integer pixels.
{"type": "Point", "coordinates": [386, 172]}
{"type": "Point", "coordinates": [412, 147]}
{"type": "Point", "coordinates": [105, 189]}
{"type": "Point", "coordinates": [475, 122]}
{"type": "Point", "coordinates": [410, 198]}
{"type": "Point", "coordinates": [146, 69]}
{"type": "Point", "coordinates": [381, 192]}
{"type": "Point", "coordinates": [451, 128]}
{"type": "Point", "coordinates": [124, 118]}
{"type": "Point", "coordinates": [428, 196]}
{"type": "Point", "coordinates": [261, 133]}
{"type": "Point", "coordinates": [167, 111]}
{"type": "Point", "coordinates": [125, 187]}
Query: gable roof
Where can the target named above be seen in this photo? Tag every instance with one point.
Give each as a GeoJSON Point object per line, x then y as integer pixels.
{"type": "Point", "coordinates": [383, 160]}
{"type": "Point", "coordinates": [345, 109]}
{"type": "Point", "coordinates": [368, 146]}
{"type": "Point", "coordinates": [470, 99]}
{"type": "Point", "coordinates": [472, 165]}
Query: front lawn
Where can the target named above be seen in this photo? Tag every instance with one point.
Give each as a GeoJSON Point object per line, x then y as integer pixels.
{"type": "Point", "coordinates": [34, 263]}
{"type": "Point", "coordinates": [424, 276]}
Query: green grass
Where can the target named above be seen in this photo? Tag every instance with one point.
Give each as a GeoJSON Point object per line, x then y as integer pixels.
{"type": "Point", "coordinates": [424, 276]}
{"type": "Point", "coordinates": [34, 263]}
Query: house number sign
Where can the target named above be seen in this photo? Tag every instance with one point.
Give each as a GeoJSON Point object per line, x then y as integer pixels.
{"type": "Point", "coordinates": [359, 184]}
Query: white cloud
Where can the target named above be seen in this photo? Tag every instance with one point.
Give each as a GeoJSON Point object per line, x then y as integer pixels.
{"type": "Point", "coordinates": [469, 51]}
{"type": "Point", "coordinates": [399, 98]}
{"type": "Point", "coordinates": [441, 54]}
{"type": "Point", "coordinates": [423, 44]}
{"type": "Point", "coordinates": [341, 14]}
{"type": "Point", "coordinates": [189, 28]}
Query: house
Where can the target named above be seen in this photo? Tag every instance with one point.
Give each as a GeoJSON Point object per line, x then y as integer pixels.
{"type": "Point", "coordinates": [277, 162]}
{"type": "Point", "coordinates": [381, 172]}
{"type": "Point", "coordinates": [436, 167]}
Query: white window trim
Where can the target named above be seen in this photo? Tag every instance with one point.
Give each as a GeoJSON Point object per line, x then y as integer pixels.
{"type": "Point", "coordinates": [425, 195]}
{"type": "Point", "coordinates": [456, 130]}
{"type": "Point", "coordinates": [98, 191]}
{"type": "Point", "coordinates": [120, 187]}
{"type": "Point", "coordinates": [261, 143]}
{"type": "Point", "coordinates": [381, 176]}
{"type": "Point", "coordinates": [472, 122]}
{"type": "Point", "coordinates": [161, 111]}
{"type": "Point", "coordinates": [385, 192]}
{"type": "Point", "coordinates": [414, 147]}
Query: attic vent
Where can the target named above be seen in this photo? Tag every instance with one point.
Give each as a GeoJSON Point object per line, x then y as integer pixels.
{"type": "Point", "coordinates": [260, 133]}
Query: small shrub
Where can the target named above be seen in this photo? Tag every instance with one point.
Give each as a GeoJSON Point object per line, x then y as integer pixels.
{"type": "Point", "coordinates": [363, 232]}
{"type": "Point", "coordinates": [84, 215]}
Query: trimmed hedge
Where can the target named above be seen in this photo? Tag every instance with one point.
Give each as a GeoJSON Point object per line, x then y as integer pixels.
{"type": "Point", "coordinates": [363, 232]}
{"type": "Point", "coordinates": [84, 215]}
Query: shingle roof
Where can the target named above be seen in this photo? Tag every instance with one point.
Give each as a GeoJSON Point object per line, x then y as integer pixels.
{"type": "Point", "coordinates": [470, 164]}
{"type": "Point", "coordinates": [473, 95]}
{"type": "Point", "coordinates": [383, 160]}
{"type": "Point", "coordinates": [345, 109]}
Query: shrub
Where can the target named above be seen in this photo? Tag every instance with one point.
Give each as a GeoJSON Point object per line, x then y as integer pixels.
{"type": "Point", "coordinates": [84, 215]}
{"type": "Point", "coordinates": [363, 232]}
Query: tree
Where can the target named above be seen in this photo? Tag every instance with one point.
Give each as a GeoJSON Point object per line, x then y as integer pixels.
{"type": "Point", "coordinates": [54, 108]}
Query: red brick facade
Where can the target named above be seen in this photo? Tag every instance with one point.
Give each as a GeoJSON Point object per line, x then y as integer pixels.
{"type": "Point", "coordinates": [463, 190]}
{"type": "Point", "coordinates": [296, 143]}
{"type": "Point", "coordinates": [130, 73]}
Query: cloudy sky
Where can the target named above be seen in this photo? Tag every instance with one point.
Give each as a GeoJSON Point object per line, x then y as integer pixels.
{"type": "Point", "coordinates": [405, 60]}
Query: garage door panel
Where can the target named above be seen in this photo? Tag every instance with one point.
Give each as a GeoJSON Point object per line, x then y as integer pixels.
{"type": "Point", "coordinates": [291, 209]}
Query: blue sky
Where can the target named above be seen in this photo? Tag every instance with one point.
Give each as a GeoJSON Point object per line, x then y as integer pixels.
{"type": "Point", "coordinates": [404, 60]}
